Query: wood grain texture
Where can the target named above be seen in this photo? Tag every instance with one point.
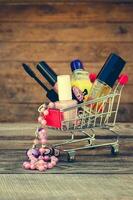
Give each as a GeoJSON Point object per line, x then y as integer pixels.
{"type": "Point", "coordinates": [41, 2]}
{"type": "Point", "coordinates": [66, 12]}
{"type": "Point", "coordinates": [61, 51]}
{"type": "Point", "coordinates": [57, 32]}
{"type": "Point", "coordinates": [73, 187]}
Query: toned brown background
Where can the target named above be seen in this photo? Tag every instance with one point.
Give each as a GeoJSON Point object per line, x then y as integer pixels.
{"type": "Point", "coordinates": [57, 32]}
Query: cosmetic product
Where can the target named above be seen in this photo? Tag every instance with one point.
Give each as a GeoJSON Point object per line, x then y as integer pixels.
{"type": "Point", "coordinates": [80, 82]}
{"type": "Point", "coordinates": [54, 118]}
{"type": "Point", "coordinates": [51, 94]}
{"type": "Point", "coordinates": [107, 77]}
{"type": "Point", "coordinates": [48, 74]}
{"type": "Point", "coordinates": [65, 99]}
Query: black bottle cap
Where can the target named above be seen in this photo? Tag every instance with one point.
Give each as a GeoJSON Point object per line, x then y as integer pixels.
{"type": "Point", "coordinates": [111, 69]}
{"type": "Point", "coordinates": [47, 72]}
{"type": "Point", "coordinates": [76, 64]}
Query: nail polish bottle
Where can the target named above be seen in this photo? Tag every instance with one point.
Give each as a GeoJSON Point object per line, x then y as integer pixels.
{"type": "Point", "coordinates": [48, 74]}
{"type": "Point", "coordinates": [65, 98]}
{"type": "Point", "coordinates": [81, 85]}
{"type": "Point", "coordinates": [107, 77]}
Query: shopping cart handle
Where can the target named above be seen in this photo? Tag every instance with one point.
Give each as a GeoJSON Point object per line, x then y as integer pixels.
{"type": "Point", "coordinates": [92, 77]}
{"type": "Point", "coordinates": [123, 79]}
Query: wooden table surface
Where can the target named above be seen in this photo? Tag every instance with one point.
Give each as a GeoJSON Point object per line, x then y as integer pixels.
{"type": "Point", "coordinates": [95, 174]}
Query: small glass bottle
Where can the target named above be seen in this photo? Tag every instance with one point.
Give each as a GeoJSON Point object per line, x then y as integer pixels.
{"type": "Point", "coordinates": [106, 78]}
{"type": "Point", "coordinates": [81, 85]}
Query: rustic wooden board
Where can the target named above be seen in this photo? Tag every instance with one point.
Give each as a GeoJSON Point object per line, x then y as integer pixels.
{"type": "Point", "coordinates": [41, 2]}
{"type": "Point", "coordinates": [82, 11]}
{"type": "Point", "coordinates": [57, 31]}
{"type": "Point", "coordinates": [65, 52]}
{"type": "Point", "coordinates": [26, 186]}
{"type": "Point", "coordinates": [16, 138]}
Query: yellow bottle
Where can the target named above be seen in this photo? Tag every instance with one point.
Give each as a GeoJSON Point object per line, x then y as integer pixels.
{"type": "Point", "coordinates": [81, 85]}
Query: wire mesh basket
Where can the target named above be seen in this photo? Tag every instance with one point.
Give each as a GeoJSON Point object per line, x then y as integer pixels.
{"type": "Point", "coordinates": [86, 118]}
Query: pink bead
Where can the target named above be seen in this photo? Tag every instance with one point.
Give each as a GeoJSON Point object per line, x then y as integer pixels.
{"type": "Point", "coordinates": [53, 162]}
{"type": "Point", "coordinates": [41, 168]}
{"type": "Point", "coordinates": [42, 136]}
{"type": "Point", "coordinates": [32, 158]}
{"type": "Point", "coordinates": [46, 158]}
{"type": "Point", "coordinates": [36, 141]}
{"type": "Point", "coordinates": [29, 152]}
{"type": "Point", "coordinates": [26, 165]}
{"type": "Point", "coordinates": [55, 159]}
{"type": "Point", "coordinates": [51, 105]}
{"type": "Point", "coordinates": [45, 112]}
{"type": "Point", "coordinates": [43, 131]}
{"type": "Point", "coordinates": [33, 161]}
{"type": "Point", "coordinates": [50, 166]}
{"type": "Point", "coordinates": [46, 166]}
{"type": "Point", "coordinates": [40, 119]}
{"type": "Point", "coordinates": [32, 166]}
{"type": "Point", "coordinates": [40, 162]}
{"type": "Point", "coordinates": [37, 165]}
{"type": "Point", "coordinates": [40, 158]}
{"type": "Point", "coordinates": [41, 150]}
{"type": "Point", "coordinates": [43, 141]}
{"type": "Point", "coordinates": [43, 122]}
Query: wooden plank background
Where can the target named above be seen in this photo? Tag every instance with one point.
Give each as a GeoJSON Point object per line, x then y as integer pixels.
{"type": "Point", "coordinates": [58, 32]}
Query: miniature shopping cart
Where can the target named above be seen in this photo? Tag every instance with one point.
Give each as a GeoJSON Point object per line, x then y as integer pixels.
{"type": "Point", "coordinates": [88, 118]}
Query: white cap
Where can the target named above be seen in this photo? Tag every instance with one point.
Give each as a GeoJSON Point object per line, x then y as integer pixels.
{"type": "Point", "coordinates": [64, 87]}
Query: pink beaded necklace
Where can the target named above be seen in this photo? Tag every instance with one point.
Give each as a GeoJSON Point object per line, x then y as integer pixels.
{"type": "Point", "coordinates": [44, 157]}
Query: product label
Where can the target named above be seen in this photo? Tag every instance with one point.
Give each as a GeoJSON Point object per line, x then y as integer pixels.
{"type": "Point", "coordinates": [81, 89]}
{"type": "Point", "coordinates": [80, 95]}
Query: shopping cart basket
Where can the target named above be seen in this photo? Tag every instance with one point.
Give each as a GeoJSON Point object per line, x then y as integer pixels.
{"type": "Point", "coordinates": [86, 118]}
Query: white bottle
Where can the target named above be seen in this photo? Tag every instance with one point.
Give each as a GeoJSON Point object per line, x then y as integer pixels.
{"type": "Point", "coordinates": [65, 99]}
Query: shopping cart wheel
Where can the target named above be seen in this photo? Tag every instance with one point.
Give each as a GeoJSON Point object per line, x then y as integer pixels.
{"type": "Point", "coordinates": [71, 156]}
{"type": "Point", "coordinates": [115, 149]}
{"type": "Point", "coordinates": [90, 142]}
